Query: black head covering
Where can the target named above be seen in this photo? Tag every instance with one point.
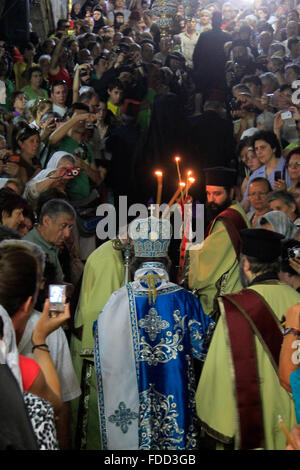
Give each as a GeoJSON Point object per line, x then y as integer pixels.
{"type": "Point", "coordinates": [220, 176]}
{"type": "Point", "coordinates": [265, 245]}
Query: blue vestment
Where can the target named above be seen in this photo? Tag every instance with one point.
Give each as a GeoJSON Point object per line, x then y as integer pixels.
{"type": "Point", "coordinates": [145, 343]}
{"type": "Point", "coordinates": [295, 386]}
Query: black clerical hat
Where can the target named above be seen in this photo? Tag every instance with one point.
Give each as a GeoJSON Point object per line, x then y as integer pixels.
{"type": "Point", "coordinates": [265, 245]}
{"type": "Point", "coordinates": [220, 176]}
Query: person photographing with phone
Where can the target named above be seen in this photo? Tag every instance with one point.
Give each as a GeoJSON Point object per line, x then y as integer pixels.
{"type": "Point", "coordinates": [268, 150]}
{"type": "Point", "coordinates": [286, 129]}
{"type": "Point", "coordinates": [21, 273]}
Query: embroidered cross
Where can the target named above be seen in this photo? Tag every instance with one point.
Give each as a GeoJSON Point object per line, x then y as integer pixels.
{"type": "Point", "coordinates": [123, 417]}
{"type": "Point", "coordinates": [151, 209]}
{"type": "Point", "coordinates": [153, 324]}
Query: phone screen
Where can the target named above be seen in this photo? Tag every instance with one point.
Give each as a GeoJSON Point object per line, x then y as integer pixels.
{"type": "Point", "coordinates": [56, 294]}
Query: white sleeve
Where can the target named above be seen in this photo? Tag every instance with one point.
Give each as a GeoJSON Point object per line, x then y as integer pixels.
{"type": "Point", "coordinates": [61, 356]}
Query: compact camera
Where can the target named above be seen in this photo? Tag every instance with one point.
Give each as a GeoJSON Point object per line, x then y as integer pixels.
{"type": "Point", "coordinates": [10, 158]}
{"type": "Point", "coordinates": [82, 151]}
{"type": "Point", "coordinates": [73, 172]}
{"type": "Point", "coordinates": [286, 115]}
{"type": "Point", "coordinates": [235, 105]}
{"type": "Point", "coordinates": [293, 252]}
{"type": "Point", "coordinates": [85, 72]}
{"type": "Point", "coordinates": [270, 98]}
{"type": "Point", "coordinates": [57, 296]}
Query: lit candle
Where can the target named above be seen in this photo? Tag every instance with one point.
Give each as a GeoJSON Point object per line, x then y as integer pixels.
{"type": "Point", "coordinates": [191, 180]}
{"type": "Point", "coordinates": [159, 176]}
{"type": "Point", "coordinates": [177, 160]}
{"type": "Point", "coordinates": [69, 5]}
{"type": "Point", "coordinates": [188, 175]}
{"type": "Point", "coordinates": [173, 198]}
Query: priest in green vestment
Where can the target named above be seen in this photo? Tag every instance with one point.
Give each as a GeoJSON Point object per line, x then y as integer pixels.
{"type": "Point", "coordinates": [103, 274]}
{"type": "Point", "coordinates": [220, 407]}
{"type": "Point", "coordinates": [213, 267]}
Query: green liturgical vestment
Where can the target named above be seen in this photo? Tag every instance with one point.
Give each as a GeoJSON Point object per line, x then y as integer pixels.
{"type": "Point", "coordinates": [216, 392]}
{"type": "Point", "coordinates": [103, 274]}
{"type": "Point", "coordinates": [213, 266]}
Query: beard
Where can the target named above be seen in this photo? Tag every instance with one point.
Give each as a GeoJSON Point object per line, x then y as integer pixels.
{"type": "Point", "coordinates": [213, 209]}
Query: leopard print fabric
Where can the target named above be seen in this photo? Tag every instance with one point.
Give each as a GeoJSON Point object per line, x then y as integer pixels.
{"type": "Point", "coordinates": [41, 415]}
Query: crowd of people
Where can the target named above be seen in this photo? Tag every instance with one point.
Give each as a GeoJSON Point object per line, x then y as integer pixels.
{"type": "Point", "coordinates": [87, 115]}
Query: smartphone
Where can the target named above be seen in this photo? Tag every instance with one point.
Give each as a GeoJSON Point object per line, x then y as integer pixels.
{"type": "Point", "coordinates": [277, 176]}
{"type": "Point", "coordinates": [57, 296]}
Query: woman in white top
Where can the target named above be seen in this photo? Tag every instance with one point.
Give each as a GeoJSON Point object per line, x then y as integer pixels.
{"type": "Point", "coordinates": [268, 151]}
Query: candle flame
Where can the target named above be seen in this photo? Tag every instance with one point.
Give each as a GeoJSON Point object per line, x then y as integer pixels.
{"type": "Point", "coordinates": [177, 159]}
{"type": "Point", "coordinates": [189, 172]}
{"type": "Point", "coordinates": [158, 173]}
{"type": "Point", "coordinates": [192, 180]}
{"type": "Point", "coordinates": [182, 184]}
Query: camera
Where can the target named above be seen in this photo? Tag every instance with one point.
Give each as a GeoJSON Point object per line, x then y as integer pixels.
{"type": "Point", "coordinates": [73, 172]}
{"type": "Point", "coordinates": [57, 295]}
{"type": "Point", "coordinates": [270, 97]}
{"type": "Point", "coordinates": [10, 158]}
{"type": "Point", "coordinates": [82, 151]}
{"type": "Point", "coordinates": [286, 115]}
{"type": "Point", "coordinates": [293, 252]}
{"type": "Point", "coordinates": [85, 72]}
{"type": "Point", "coordinates": [235, 105]}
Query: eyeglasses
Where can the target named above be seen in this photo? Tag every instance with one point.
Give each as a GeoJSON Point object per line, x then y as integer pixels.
{"type": "Point", "coordinates": [259, 193]}
{"type": "Point", "coordinates": [293, 165]}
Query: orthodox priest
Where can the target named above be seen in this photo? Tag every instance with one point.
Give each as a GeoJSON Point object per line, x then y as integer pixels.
{"type": "Point", "coordinates": [146, 339]}
{"type": "Point", "coordinates": [239, 396]}
{"type": "Point", "coordinates": [104, 273]}
{"type": "Point", "coordinates": [212, 267]}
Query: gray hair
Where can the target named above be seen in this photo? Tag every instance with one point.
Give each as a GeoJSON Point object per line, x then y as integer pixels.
{"type": "Point", "coordinates": [271, 77]}
{"type": "Point", "coordinates": [266, 119]}
{"type": "Point", "coordinates": [283, 196]}
{"type": "Point", "coordinates": [44, 56]}
{"type": "Point", "coordinates": [55, 208]}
